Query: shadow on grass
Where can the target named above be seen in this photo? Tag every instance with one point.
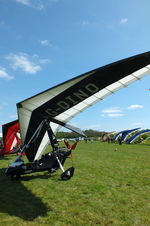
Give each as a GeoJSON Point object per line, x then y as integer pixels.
{"type": "Point", "coordinates": [31, 177]}
{"type": "Point", "coordinates": [17, 200]}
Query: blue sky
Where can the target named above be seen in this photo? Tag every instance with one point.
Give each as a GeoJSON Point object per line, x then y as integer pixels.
{"type": "Point", "coordinates": [46, 42]}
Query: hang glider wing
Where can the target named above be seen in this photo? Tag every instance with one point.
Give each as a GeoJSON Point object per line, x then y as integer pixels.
{"type": "Point", "coordinates": [135, 136]}
{"type": "Point", "coordinates": [66, 100]}
{"type": "Point", "coordinates": [127, 133]}
{"type": "Point", "coordinates": [119, 134]}
{"type": "Point", "coordinates": [11, 135]}
{"type": "Point", "coordinates": [124, 134]}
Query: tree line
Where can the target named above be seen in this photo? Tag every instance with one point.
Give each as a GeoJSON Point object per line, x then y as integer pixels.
{"type": "Point", "coordinates": [88, 133]}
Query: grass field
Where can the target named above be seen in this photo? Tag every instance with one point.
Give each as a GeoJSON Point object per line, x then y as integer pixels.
{"type": "Point", "coordinates": [111, 186]}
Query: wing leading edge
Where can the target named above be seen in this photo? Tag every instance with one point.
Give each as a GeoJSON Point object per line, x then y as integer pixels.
{"type": "Point", "coordinates": [66, 100]}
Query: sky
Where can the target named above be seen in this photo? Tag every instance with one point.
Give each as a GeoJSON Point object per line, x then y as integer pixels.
{"type": "Point", "coordinates": [46, 42]}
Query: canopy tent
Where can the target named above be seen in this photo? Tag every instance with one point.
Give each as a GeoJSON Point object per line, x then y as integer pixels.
{"type": "Point", "coordinates": [66, 100]}
{"type": "Point", "coordinates": [107, 136]}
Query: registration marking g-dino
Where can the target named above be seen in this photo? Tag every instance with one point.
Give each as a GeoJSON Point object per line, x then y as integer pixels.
{"type": "Point", "coordinates": [71, 100]}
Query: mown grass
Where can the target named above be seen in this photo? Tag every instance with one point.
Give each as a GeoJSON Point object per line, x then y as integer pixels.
{"type": "Point", "coordinates": [111, 186]}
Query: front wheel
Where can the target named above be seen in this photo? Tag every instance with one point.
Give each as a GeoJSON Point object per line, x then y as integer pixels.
{"type": "Point", "coordinates": [67, 174]}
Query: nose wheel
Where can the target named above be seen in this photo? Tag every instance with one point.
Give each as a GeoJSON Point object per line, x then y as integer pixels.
{"type": "Point", "coordinates": [66, 175]}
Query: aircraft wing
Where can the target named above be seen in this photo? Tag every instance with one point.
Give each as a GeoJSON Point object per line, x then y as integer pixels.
{"type": "Point", "coordinates": [124, 134]}
{"type": "Point", "coordinates": [135, 136]}
{"type": "Point", "coordinates": [127, 133]}
{"type": "Point", "coordinates": [66, 100]}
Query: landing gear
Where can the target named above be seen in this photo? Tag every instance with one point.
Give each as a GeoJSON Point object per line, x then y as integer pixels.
{"type": "Point", "coordinates": [50, 162]}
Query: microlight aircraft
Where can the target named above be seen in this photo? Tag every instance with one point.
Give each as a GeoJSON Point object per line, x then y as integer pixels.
{"type": "Point", "coordinates": [41, 116]}
{"type": "Point", "coordinates": [11, 138]}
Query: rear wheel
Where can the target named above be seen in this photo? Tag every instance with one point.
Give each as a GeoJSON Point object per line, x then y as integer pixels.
{"type": "Point", "coordinates": [15, 176]}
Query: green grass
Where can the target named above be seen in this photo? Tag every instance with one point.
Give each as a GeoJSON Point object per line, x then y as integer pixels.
{"type": "Point", "coordinates": [111, 186]}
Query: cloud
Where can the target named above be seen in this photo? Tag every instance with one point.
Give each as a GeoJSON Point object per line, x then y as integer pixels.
{"type": "Point", "coordinates": [112, 112]}
{"type": "Point", "coordinates": [115, 115]}
{"type": "Point", "coordinates": [36, 4]}
{"type": "Point", "coordinates": [87, 126]}
{"type": "Point", "coordinates": [4, 74]}
{"type": "Point", "coordinates": [123, 20]}
{"type": "Point", "coordinates": [13, 116]}
{"type": "Point", "coordinates": [24, 2]}
{"type": "Point", "coordinates": [94, 127]}
{"type": "Point", "coordinates": [44, 42]}
{"type": "Point", "coordinates": [135, 106]}
{"type": "Point", "coordinates": [139, 124]}
{"type": "Point", "coordinates": [88, 23]}
{"type": "Point", "coordinates": [29, 64]}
